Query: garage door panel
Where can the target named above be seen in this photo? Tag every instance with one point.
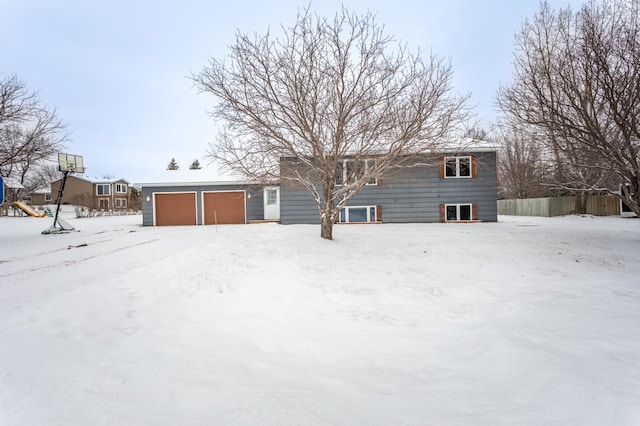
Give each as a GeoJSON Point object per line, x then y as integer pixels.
{"type": "Point", "coordinates": [224, 208]}
{"type": "Point", "coordinates": [175, 209]}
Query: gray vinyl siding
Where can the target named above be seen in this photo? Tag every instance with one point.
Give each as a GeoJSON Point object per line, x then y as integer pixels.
{"type": "Point", "coordinates": [414, 197]}
{"type": "Point", "coordinates": [253, 199]}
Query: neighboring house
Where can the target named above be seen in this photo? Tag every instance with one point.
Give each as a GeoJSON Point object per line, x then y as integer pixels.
{"type": "Point", "coordinates": [40, 197]}
{"type": "Point", "coordinates": [460, 187]}
{"type": "Point", "coordinates": [99, 194]}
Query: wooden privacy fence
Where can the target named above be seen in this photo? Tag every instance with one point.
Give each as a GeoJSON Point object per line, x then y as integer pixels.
{"type": "Point", "coordinates": [601, 205]}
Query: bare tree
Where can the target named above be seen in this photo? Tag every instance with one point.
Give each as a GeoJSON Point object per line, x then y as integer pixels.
{"type": "Point", "coordinates": [16, 103]}
{"type": "Point", "coordinates": [328, 90]}
{"type": "Point", "coordinates": [30, 132]}
{"type": "Point", "coordinates": [577, 80]}
{"type": "Point", "coordinates": [41, 176]}
{"type": "Point", "coordinates": [523, 169]}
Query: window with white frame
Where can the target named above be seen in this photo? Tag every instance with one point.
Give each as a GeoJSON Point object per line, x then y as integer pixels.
{"type": "Point", "coordinates": [358, 214]}
{"type": "Point", "coordinates": [351, 170]}
{"type": "Point", "coordinates": [457, 212]}
{"type": "Point", "coordinates": [121, 203]}
{"type": "Point", "coordinates": [457, 167]}
{"type": "Point", "coordinates": [47, 197]}
{"type": "Point", "coordinates": [121, 188]}
{"type": "Point", "coordinates": [103, 189]}
{"type": "Point", "coordinates": [272, 196]}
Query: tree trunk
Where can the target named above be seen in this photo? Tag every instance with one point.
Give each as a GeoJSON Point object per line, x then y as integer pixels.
{"type": "Point", "coordinates": [581, 203]}
{"type": "Point", "coordinates": [326, 226]}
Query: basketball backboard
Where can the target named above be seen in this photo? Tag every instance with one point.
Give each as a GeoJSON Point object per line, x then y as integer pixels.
{"type": "Point", "coordinates": [70, 163]}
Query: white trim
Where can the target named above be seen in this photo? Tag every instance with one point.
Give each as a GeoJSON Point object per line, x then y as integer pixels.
{"type": "Point", "coordinates": [271, 211]}
{"type": "Point", "coordinates": [118, 185]}
{"type": "Point", "coordinates": [458, 158]}
{"type": "Point", "coordinates": [108, 185]}
{"type": "Point", "coordinates": [104, 199]}
{"type": "Point", "coordinates": [268, 191]}
{"type": "Point", "coordinates": [370, 219]}
{"type": "Point", "coordinates": [195, 183]}
{"type": "Point", "coordinates": [458, 205]}
{"type": "Point", "coordinates": [344, 168]}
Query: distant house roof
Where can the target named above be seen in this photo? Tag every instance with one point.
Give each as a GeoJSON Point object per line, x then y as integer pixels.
{"type": "Point", "coordinates": [95, 180]}
{"type": "Point", "coordinates": [12, 183]}
{"type": "Point", "coordinates": [42, 191]}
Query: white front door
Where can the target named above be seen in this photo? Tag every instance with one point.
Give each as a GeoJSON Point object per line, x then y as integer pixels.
{"type": "Point", "coordinates": [272, 203]}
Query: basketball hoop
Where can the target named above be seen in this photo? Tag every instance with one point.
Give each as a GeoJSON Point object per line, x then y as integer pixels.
{"type": "Point", "coordinates": [70, 163]}
{"type": "Point", "coordinates": [67, 163]}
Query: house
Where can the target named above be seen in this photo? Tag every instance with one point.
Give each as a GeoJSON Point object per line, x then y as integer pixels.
{"type": "Point", "coordinates": [451, 187]}
{"type": "Point", "coordinates": [458, 187]}
{"type": "Point", "coordinates": [40, 197]}
{"type": "Point", "coordinates": [94, 193]}
{"type": "Point", "coordinates": [201, 197]}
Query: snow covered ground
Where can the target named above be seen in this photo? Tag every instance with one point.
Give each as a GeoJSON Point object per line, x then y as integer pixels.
{"type": "Point", "coordinates": [529, 321]}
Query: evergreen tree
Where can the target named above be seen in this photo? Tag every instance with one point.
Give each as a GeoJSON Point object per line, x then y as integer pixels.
{"type": "Point", "coordinates": [173, 165]}
{"type": "Point", "coordinates": [195, 165]}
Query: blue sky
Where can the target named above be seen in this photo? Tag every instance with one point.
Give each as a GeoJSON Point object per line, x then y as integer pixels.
{"type": "Point", "coordinates": [117, 70]}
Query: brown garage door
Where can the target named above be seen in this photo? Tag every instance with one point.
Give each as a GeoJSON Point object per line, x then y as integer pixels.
{"type": "Point", "coordinates": [224, 207]}
{"type": "Point", "coordinates": [175, 209]}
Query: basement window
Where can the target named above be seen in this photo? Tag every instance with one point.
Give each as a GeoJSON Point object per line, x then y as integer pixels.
{"type": "Point", "coordinates": [457, 212]}
{"type": "Point", "coordinates": [359, 214]}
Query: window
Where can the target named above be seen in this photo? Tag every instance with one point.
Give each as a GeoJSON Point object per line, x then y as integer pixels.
{"type": "Point", "coordinates": [103, 203]}
{"type": "Point", "coordinates": [47, 197]}
{"type": "Point", "coordinates": [457, 212]}
{"type": "Point", "coordinates": [349, 171]}
{"type": "Point", "coordinates": [103, 189]}
{"type": "Point", "coordinates": [121, 188]}
{"type": "Point", "coordinates": [360, 214]}
{"type": "Point", "coordinates": [272, 196]}
{"type": "Point", "coordinates": [457, 167]}
{"type": "Point", "coordinates": [121, 203]}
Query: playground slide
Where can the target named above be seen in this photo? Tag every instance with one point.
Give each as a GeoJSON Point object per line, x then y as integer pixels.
{"type": "Point", "coordinates": [28, 209]}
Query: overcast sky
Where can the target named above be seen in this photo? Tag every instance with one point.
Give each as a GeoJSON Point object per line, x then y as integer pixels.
{"type": "Point", "coordinates": [116, 70]}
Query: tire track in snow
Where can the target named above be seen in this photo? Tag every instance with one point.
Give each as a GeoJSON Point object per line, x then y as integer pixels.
{"type": "Point", "coordinates": [76, 261]}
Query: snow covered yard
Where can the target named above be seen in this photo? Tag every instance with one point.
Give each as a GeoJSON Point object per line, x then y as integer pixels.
{"type": "Point", "coordinates": [529, 321]}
